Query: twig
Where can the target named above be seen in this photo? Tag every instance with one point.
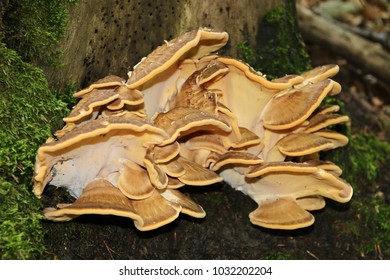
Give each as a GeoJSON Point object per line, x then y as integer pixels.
{"type": "Point", "coordinates": [369, 56]}
{"type": "Point", "coordinates": [109, 249]}
{"type": "Point", "coordinates": [311, 254]}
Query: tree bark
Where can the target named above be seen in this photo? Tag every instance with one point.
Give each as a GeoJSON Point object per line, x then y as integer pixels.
{"type": "Point", "coordinates": [110, 37]}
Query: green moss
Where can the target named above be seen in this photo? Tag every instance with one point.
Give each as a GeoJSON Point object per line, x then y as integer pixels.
{"type": "Point", "coordinates": [276, 255]}
{"type": "Point", "coordinates": [20, 230]}
{"type": "Point", "coordinates": [374, 216]}
{"type": "Point", "coordinates": [280, 49]}
{"type": "Point", "coordinates": [33, 29]}
{"type": "Point", "coordinates": [363, 161]}
{"type": "Point", "coordinates": [28, 110]}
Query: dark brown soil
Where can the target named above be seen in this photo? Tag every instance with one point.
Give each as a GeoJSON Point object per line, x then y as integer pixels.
{"type": "Point", "coordinates": [225, 233]}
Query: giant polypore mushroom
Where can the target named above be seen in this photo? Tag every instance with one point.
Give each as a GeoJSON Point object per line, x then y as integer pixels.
{"type": "Point", "coordinates": [187, 116]}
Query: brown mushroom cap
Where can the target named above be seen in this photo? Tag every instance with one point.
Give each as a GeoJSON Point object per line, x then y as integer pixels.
{"type": "Point", "coordinates": [206, 141]}
{"type": "Point", "coordinates": [326, 165]}
{"type": "Point", "coordinates": [103, 134]}
{"type": "Point", "coordinates": [320, 73]}
{"type": "Point", "coordinates": [99, 197]}
{"type": "Point", "coordinates": [281, 213]}
{"type": "Point", "coordinates": [189, 207]}
{"type": "Point", "coordinates": [166, 153]}
{"type": "Point", "coordinates": [197, 175]}
{"type": "Point", "coordinates": [277, 84]}
{"type": "Point", "coordinates": [289, 109]}
{"type": "Point", "coordinates": [328, 109]}
{"type": "Point", "coordinates": [311, 203]}
{"type": "Point", "coordinates": [133, 181]}
{"type": "Point", "coordinates": [181, 121]}
{"type": "Point", "coordinates": [297, 185]}
{"type": "Point", "coordinates": [248, 138]}
{"type": "Point", "coordinates": [338, 139]}
{"type": "Point", "coordinates": [174, 183]}
{"type": "Point", "coordinates": [320, 121]}
{"type": "Point", "coordinates": [156, 174]}
{"type": "Point", "coordinates": [106, 82]}
{"type": "Point", "coordinates": [156, 211]}
{"type": "Point", "coordinates": [298, 182]}
{"type": "Point", "coordinates": [114, 98]}
{"type": "Point", "coordinates": [268, 167]}
{"type": "Point", "coordinates": [91, 100]}
{"type": "Point", "coordinates": [193, 44]}
{"type": "Point", "coordinates": [173, 168]}
{"type": "Point", "coordinates": [236, 158]}
{"type": "Point", "coordinates": [300, 144]}
{"type": "Point", "coordinates": [126, 97]}
{"type": "Point", "coordinates": [193, 93]}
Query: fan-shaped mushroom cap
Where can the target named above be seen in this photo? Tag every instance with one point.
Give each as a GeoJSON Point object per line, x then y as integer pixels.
{"type": "Point", "coordinates": [298, 185]}
{"type": "Point", "coordinates": [196, 174]}
{"type": "Point", "coordinates": [174, 183]}
{"type": "Point", "coordinates": [300, 144]}
{"type": "Point", "coordinates": [181, 121]}
{"type": "Point", "coordinates": [301, 183]}
{"type": "Point", "coordinates": [311, 203]}
{"type": "Point", "coordinates": [281, 213]}
{"type": "Point", "coordinates": [268, 167]}
{"type": "Point", "coordinates": [193, 93]}
{"type": "Point", "coordinates": [133, 181]}
{"type": "Point", "coordinates": [156, 211]}
{"type": "Point", "coordinates": [327, 109]}
{"type": "Point", "coordinates": [291, 108]}
{"type": "Point", "coordinates": [320, 121]}
{"type": "Point", "coordinates": [108, 81]}
{"type": "Point", "coordinates": [237, 158]}
{"type": "Point", "coordinates": [189, 207]}
{"type": "Point", "coordinates": [173, 168]}
{"type": "Point", "coordinates": [248, 138]}
{"type": "Point", "coordinates": [120, 95]}
{"type": "Point", "coordinates": [320, 73]}
{"type": "Point", "coordinates": [156, 174]}
{"type": "Point", "coordinates": [127, 96]}
{"type": "Point", "coordinates": [338, 139]}
{"type": "Point", "coordinates": [251, 74]}
{"type": "Point", "coordinates": [166, 153]}
{"type": "Point", "coordinates": [326, 165]}
{"type": "Point", "coordinates": [73, 153]}
{"type": "Point", "coordinates": [210, 142]}
{"type": "Point", "coordinates": [99, 197]}
{"type": "Point", "coordinates": [193, 44]}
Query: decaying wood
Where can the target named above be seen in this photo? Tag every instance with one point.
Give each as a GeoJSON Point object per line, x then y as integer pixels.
{"type": "Point", "coordinates": [367, 55]}
{"type": "Point", "coordinates": [110, 36]}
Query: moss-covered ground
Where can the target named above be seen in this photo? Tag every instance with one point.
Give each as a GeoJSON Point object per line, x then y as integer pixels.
{"type": "Point", "coordinates": [29, 111]}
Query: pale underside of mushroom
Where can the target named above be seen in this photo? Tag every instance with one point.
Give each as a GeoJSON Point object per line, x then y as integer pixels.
{"type": "Point", "coordinates": [187, 116]}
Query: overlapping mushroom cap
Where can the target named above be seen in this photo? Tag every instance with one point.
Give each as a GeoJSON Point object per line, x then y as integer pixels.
{"type": "Point", "coordinates": [189, 117]}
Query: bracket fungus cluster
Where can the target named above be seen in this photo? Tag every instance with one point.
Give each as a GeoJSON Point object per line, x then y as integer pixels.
{"type": "Point", "coordinates": [187, 116]}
